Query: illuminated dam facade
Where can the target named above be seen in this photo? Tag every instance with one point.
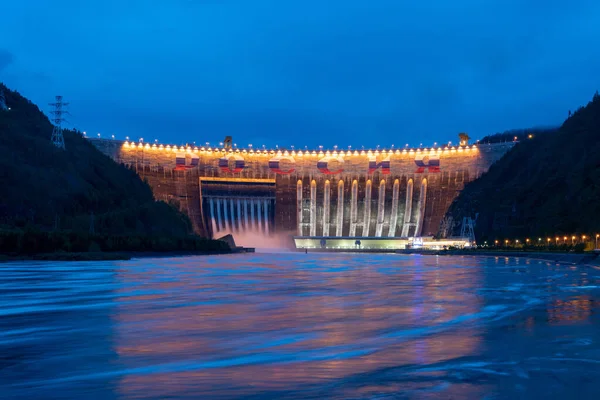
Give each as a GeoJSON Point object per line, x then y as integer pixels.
{"type": "Point", "coordinates": [353, 193]}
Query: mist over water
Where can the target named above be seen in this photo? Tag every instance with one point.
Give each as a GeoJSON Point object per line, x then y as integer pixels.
{"type": "Point", "coordinates": [282, 241]}
{"type": "Point", "coordinates": [295, 325]}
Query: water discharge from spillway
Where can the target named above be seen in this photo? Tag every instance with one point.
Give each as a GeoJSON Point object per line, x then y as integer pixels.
{"type": "Point", "coordinates": [329, 209]}
{"type": "Point", "coordinates": [326, 208]}
{"type": "Point", "coordinates": [248, 220]}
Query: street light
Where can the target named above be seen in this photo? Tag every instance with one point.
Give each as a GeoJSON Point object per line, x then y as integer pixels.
{"type": "Point", "coordinates": [597, 236]}
{"type": "Point", "coordinates": [573, 240]}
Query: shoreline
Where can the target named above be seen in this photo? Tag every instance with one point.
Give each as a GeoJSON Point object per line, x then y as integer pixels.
{"type": "Point", "coordinates": [559, 257]}
{"type": "Point", "coordinates": [112, 256]}
{"type": "Point", "coordinates": [570, 258]}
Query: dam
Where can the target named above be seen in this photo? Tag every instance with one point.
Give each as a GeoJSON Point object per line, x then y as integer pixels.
{"type": "Point", "coordinates": [395, 193]}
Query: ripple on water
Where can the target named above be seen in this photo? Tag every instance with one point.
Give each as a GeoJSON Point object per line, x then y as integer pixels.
{"type": "Point", "coordinates": [298, 326]}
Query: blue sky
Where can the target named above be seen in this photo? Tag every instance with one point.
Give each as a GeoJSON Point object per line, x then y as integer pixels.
{"type": "Point", "coordinates": [329, 72]}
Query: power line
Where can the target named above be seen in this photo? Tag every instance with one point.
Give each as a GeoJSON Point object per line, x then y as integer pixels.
{"type": "Point", "coordinates": [58, 112]}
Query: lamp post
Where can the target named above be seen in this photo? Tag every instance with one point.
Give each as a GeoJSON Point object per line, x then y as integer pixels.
{"type": "Point", "coordinates": [596, 246]}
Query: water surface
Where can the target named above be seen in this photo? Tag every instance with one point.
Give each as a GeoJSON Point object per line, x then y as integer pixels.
{"type": "Point", "coordinates": [315, 326]}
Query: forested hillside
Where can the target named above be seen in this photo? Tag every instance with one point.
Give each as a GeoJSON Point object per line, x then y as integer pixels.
{"type": "Point", "coordinates": [545, 186]}
{"type": "Point", "coordinates": [77, 189]}
{"type": "Point", "coordinates": [516, 135]}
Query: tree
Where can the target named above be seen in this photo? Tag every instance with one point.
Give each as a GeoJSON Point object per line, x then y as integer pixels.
{"type": "Point", "coordinates": [540, 188]}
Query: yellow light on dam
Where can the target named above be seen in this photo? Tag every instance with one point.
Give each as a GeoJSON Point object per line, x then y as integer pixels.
{"type": "Point", "coordinates": [322, 152]}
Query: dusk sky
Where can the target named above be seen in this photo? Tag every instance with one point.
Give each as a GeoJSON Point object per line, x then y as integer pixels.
{"type": "Point", "coordinates": [327, 72]}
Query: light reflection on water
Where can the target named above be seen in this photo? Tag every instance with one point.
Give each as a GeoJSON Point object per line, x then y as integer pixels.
{"type": "Point", "coordinates": [298, 326]}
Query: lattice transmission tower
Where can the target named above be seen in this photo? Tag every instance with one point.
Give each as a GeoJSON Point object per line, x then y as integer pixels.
{"type": "Point", "coordinates": [466, 230]}
{"type": "Point", "coordinates": [58, 112]}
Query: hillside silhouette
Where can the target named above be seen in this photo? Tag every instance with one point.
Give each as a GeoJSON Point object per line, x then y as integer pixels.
{"type": "Point", "coordinates": [544, 186]}
{"type": "Point", "coordinates": [77, 189]}
{"type": "Point", "coordinates": [516, 135]}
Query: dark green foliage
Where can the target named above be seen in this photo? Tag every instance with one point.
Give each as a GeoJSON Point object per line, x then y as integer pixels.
{"type": "Point", "coordinates": [546, 186]}
{"type": "Point", "coordinates": [48, 189]}
{"type": "Point", "coordinates": [33, 241]}
{"type": "Point", "coordinates": [520, 134]}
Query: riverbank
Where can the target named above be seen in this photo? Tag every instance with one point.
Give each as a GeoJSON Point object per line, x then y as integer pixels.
{"type": "Point", "coordinates": [17, 245]}
{"type": "Point", "coordinates": [565, 258]}
{"type": "Point", "coordinates": [114, 256]}
{"type": "Point", "coordinates": [559, 257]}
{"type": "Point", "coordinates": [65, 256]}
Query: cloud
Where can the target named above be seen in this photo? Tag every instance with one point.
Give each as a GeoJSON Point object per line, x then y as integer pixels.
{"type": "Point", "coordinates": [343, 72]}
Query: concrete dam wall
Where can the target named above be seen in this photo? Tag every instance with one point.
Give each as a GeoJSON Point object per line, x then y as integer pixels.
{"type": "Point", "coordinates": [354, 193]}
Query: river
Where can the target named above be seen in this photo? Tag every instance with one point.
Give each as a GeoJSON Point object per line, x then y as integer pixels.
{"type": "Point", "coordinates": [300, 326]}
